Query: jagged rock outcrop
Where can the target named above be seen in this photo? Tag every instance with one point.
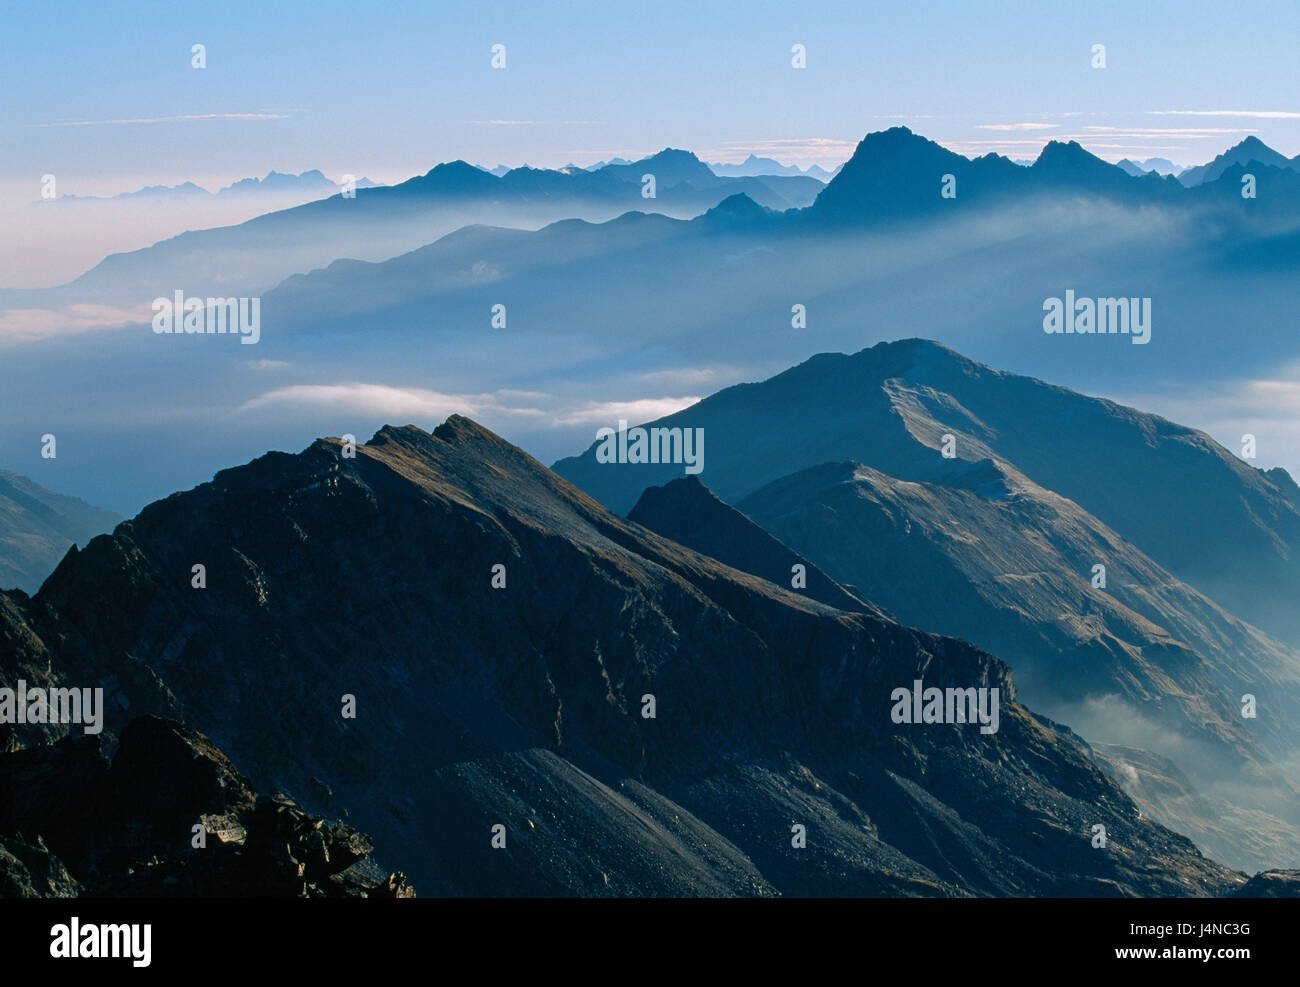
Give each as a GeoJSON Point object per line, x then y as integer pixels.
{"type": "Point", "coordinates": [1271, 884]}
{"type": "Point", "coordinates": [75, 822]}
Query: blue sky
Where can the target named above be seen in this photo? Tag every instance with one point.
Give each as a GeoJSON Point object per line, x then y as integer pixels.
{"type": "Point", "coordinates": [391, 89]}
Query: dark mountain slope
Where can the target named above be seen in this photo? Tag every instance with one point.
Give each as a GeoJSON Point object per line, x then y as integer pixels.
{"type": "Point", "coordinates": [522, 706]}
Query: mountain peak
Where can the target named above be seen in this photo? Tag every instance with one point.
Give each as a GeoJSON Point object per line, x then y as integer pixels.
{"type": "Point", "coordinates": [892, 173]}
{"type": "Point", "coordinates": [458, 428]}
{"type": "Point", "coordinates": [739, 206]}
{"type": "Point", "coordinates": [455, 176]}
{"type": "Point", "coordinates": [671, 154]}
{"type": "Point", "coordinates": [1251, 143]}
{"type": "Point", "coordinates": [1057, 152]}
{"type": "Point", "coordinates": [1242, 153]}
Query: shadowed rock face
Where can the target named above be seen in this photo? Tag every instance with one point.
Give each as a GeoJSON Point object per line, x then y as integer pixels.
{"type": "Point", "coordinates": [523, 706]}
{"type": "Point", "coordinates": [73, 822]}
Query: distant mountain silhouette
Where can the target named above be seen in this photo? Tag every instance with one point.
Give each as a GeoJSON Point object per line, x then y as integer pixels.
{"type": "Point", "coordinates": [309, 181]}
{"type": "Point", "coordinates": [38, 526]}
{"type": "Point", "coordinates": [184, 192]}
{"type": "Point", "coordinates": [525, 705]}
{"type": "Point", "coordinates": [381, 222]}
{"type": "Point", "coordinates": [1069, 166]}
{"type": "Point", "coordinates": [670, 167]}
{"type": "Point", "coordinates": [754, 165]}
{"type": "Point", "coordinates": [1248, 150]}
{"type": "Point", "coordinates": [896, 174]}
{"type": "Point", "coordinates": [1161, 166]}
{"type": "Point", "coordinates": [893, 181]}
{"type": "Point", "coordinates": [310, 185]}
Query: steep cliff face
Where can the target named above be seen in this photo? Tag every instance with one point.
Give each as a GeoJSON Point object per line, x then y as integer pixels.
{"type": "Point", "coordinates": [636, 717]}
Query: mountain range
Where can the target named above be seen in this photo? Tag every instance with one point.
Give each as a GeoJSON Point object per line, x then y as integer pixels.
{"type": "Point", "coordinates": [639, 718]}
{"type": "Point", "coordinates": [647, 681]}
{"type": "Point", "coordinates": [382, 221]}
{"type": "Point", "coordinates": [754, 166]}
{"type": "Point", "coordinates": [841, 459]}
{"type": "Point", "coordinates": [675, 288]}
{"type": "Point", "coordinates": [739, 291]}
{"type": "Point", "coordinates": [308, 184]}
{"type": "Point", "coordinates": [1161, 166]}
{"type": "Point", "coordinates": [1250, 151]}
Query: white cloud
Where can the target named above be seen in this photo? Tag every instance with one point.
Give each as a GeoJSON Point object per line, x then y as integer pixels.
{"type": "Point", "coordinates": [819, 149]}
{"type": "Point", "coordinates": [378, 399]}
{"type": "Point", "coordinates": [1169, 131]}
{"type": "Point", "coordinates": [1257, 114]}
{"type": "Point", "coordinates": [1017, 126]}
{"type": "Point", "coordinates": [422, 404]}
{"type": "Point", "coordinates": [538, 123]}
{"type": "Point", "coordinates": [611, 412]}
{"type": "Point", "coordinates": [176, 119]}
{"type": "Point", "coordinates": [25, 325]}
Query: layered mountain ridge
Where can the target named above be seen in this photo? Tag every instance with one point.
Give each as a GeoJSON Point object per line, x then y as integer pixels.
{"type": "Point", "coordinates": [527, 706]}
{"type": "Point", "coordinates": [1055, 537]}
